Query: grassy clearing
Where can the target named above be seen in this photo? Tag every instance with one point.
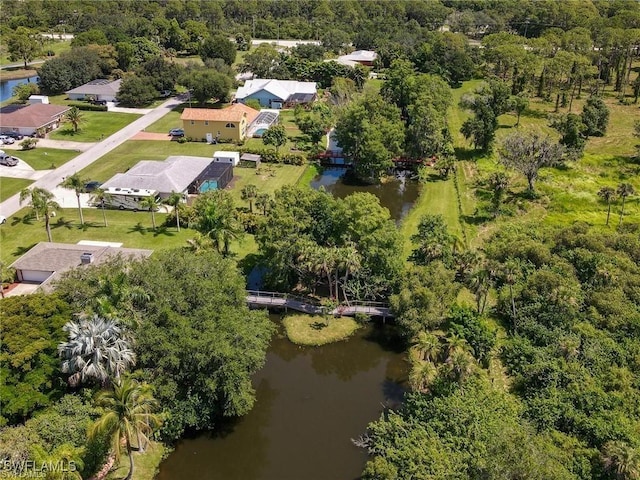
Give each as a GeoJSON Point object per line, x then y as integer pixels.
{"type": "Point", "coordinates": [313, 330]}
{"type": "Point", "coordinates": [145, 464]}
{"type": "Point", "coordinates": [268, 178]}
{"type": "Point", "coordinates": [94, 127]}
{"type": "Point", "coordinates": [10, 186]}
{"type": "Point", "coordinates": [43, 158]}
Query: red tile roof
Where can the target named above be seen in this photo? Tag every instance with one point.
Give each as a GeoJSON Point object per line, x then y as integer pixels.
{"type": "Point", "coordinates": [234, 113]}
{"type": "Point", "coordinates": [31, 116]}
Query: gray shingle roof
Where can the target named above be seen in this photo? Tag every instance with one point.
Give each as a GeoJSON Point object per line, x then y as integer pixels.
{"type": "Point", "coordinates": [98, 87]}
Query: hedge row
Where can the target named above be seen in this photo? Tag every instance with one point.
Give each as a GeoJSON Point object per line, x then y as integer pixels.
{"type": "Point", "coordinates": [271, 156]}
{"type": "Point", "coordinates": [88, 106]}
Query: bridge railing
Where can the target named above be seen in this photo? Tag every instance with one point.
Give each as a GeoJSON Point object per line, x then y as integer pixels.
{"type": "Point", "coordinates": [314, 301]}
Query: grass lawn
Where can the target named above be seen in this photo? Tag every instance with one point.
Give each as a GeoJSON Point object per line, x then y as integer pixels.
{"type": "Point", "coordinates": [43, 158]}
{"type": "Point", "coordinates": [145, 464]}
{"type": "Point", "coordinates": [94, 127]}
{"type": "Point", "coordinates": [10, 186]}
{"type": "Point", "coordinates": [268, 178]}
{"type": "Point", "coordinates": [167, 122]}
{"type": "Point", "coordinates": [316, 330]}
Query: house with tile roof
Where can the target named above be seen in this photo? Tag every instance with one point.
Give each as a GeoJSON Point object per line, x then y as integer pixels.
{"type": "Point", "coordinates": [100, 89]}
{"type": "Point", "coordinates": [229, 123]}
{"type": "Point", "coordinates": [38, 118]}
{"type": "Point", "coordinates": [175, 174]}
{"type": "Point", "coordinates": [277, 93]}
{"type": "Point", "coordinates": [46, 261]}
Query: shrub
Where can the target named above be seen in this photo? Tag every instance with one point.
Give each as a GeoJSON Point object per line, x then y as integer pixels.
{"type": "Point", "coordinates": [28, 143]}
{"type": "Point", "coordinates": [88, 106]}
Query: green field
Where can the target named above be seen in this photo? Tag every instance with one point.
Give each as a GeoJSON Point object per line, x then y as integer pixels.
{"type": "Point", "coordinates": [42, 158]}
{"type": "Point", "coordinates": [94, 127]}
{"type": "Point", "coordinates": [10, 186]}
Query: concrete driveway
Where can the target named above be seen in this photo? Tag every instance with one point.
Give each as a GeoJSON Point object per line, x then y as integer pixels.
{"type": "Point", "coordinates": [22, 170]}
{"type": "Point", "coordinates": [61, 144]}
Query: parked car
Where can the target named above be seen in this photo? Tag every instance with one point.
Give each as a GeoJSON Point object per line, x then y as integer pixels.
{"type": "Point", "coordinates": [8, 160]}
{"type": "Point", "coordinates": [6, 140]}
{"type": "Point", "coordinates": [176, 132]}
{"type": "Point", "coordinates": [91, 186]}
{"type": "Point", "coordinates": [99, 102]}
{"type": "Point", "coordinates": [3, 219]}
{"type": "Point", "coordinates": [14, 135]}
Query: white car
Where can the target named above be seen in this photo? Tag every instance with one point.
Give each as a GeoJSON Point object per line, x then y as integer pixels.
{"type": "Point", "coordinates": [3, 219]}
{"type": "Point", "coordinates": [6, 140]}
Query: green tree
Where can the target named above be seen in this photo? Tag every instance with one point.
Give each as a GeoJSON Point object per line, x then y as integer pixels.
{"type": "Point", "coordinates": [76, 183]}
{"type": "Point", "coordinates": [621, 460]}
{"type": "Point", "coordinates": [262, 61]}
{"type": "Point", "coordinates": [487, 104]}
{"type": "Point", "coordinates": [528, 153]}
{"type": "Point", "coordinates": [31, 331]}
{"type": "Point", "coordinates": [42, 204]}
{"type": "Point", "coordinates": [137, 91]}
{"type": "Point", "coordinates": [218, 46]}
{"type": "Point", "coordinates": [608, 195]}
{"type": "Point", "coordinates": [152, 204]}
{"type": "Point", "coordinates": [624, 190]}
{"type": "Point", "coordinates": [433, 241]}
{"type": "Point", "coordinates": [263, 200]}
{"type": "Point", "coordinates": [519, 103]}
{"type": "Point", "coordinates": [595, 116]}
{"type": "Point", "coordinates": [22, 46]}
{"type": "Point", "coordinates": [175, 200]}
{"type": "Point", "coordinates": [275, 135]}
{"type": "Point", "coordinates": [129, 412]}
{"type": "Point", "coordinates": [97, 349]}
{"type": "Point", "coordinates": [249, 192]}
{"type": "Point", "coordinates": [25, 90]}
{"type": "Point", "coordinates": [206, 85]}
{"type": "Point", "coordinates": [215, 218]}
{"type": "Point", "coordinates": [498, 183]}
{"type": "Point", "coordinates": [573, 133]}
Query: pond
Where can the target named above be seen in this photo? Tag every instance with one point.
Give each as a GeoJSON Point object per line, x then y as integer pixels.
{"type": "Point", "coordinates": [397, 194]}
{"type": "Point", "coordinates": [6, 88]}
{"type": "Point", "coordinates": [310, 403]}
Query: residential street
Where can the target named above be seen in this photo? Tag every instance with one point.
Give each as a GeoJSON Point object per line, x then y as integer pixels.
{"type": "Point", "coordinates": [51, 180]}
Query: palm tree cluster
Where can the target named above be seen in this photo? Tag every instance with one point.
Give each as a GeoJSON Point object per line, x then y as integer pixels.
{"type": "Point", "coordinates": [434, 356]}
{"type": "Point", "coordinates": [129, 413]}
{"type": "Point", "coordinates": [609, 195]}
{"type": "Point", "coordinates": [42, 203]}
{"type": "Point", "coordinates": [97, 350]}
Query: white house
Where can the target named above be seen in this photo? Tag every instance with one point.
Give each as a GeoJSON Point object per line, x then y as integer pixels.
{"type": "Point", "coordinates": [277, 93]}
{"type": "Point", "coordinates": [227, 157]}
{"type": "Point", "coordinates": [100, 89]}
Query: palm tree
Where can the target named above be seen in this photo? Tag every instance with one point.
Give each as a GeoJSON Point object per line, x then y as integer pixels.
{"type": "Point", "coordinates": [175, 200]}
{"type": "Point", "coordinates": [499, 183]}
{"type": "Point", "coordinates": [624, 190]}
{"type": "Point", "coordinates": [427, 346]}
{"type": "Point", "coordinates": [116, 294]}
{"type": "Point", "coordinates": [128, 413]}
{"type": "Point", "coordinates": [621, 460]}
{"type": "Point", "coordinates": [217, 221]}
{"type": "Point", "coordinates": [42, 203]}
{"type": "Point", "coordinates": [461, 364]}
{"type": "Point", "coordinates": [422, 375]}
{"type": "Point", "coordinates": [101, 196]}
{"type": "Point", "coordinates": [607, 194]}
{"type": "Point", "coordinates": [152, 204]}
{"type": "Point", "coordinates": [97, 349]}
{"type": "Point", "coordinates": [75, 118]}
{"type": "Point", "coordinates": [75, 183]}
{"type": "Point", "coordinates": [249, 192]}
{"type": "Point", "coordinates": [262, 201]}
{"type": "Point", "coordinates": [7, 274]}
{"type": "Point", "coordinates": [66, 456]}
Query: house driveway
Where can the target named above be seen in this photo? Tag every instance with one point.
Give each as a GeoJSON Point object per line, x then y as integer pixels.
{"type": "Point", "coordinates": [151, 136]}
{"type": "Point", "coordinates": [48, 143]}
{"type": "Point", "coordinates": [140, 111]}
{"type": "Point", "coordinates": [22, 170]}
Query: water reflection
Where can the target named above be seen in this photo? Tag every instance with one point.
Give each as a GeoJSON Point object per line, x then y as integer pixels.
{"type": "Point", "coordinates": [310, 403]}
{"type": "Point", "coordinates": [398, 194]}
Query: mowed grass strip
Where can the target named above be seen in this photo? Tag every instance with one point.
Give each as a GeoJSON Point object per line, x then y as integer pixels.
{"type": "Point", "coordinates": [42, 158]}
{"type": "Point", "coordinates": [10, 186]}
{"type": "Point", "coordinates": [146, 464]}
{"type": "Point", "coordinates": [95, 126]}
{"type": "Point", "coordinates": [315, 330]}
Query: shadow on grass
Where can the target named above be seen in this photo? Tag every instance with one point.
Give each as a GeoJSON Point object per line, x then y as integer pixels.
{"type": "Point", "coordinates": [67, 132]}
{"type": "Point", "coordinates": [163, 231]}
{"type": "Point", "coordinates": [138, 228]}
{"type": "Point", "coordinates": [468, 154]}
{"type": "Point", "coordinates": [534, 113]}
{"type": "Point", "coordinates": [318, 325]}
{"type": "Point", "coordinates": [19, 251]}
{"type": "Point", "coordinates": [61, 222]}
{"type": "Point", "coordinates": [25, 220]}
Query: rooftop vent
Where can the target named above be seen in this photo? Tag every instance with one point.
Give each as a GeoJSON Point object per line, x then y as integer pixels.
{"type": "Point", "coordinates": [86, 258]}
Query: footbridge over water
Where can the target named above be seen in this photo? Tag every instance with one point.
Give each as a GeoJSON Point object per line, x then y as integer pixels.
{"type": "Point", "coordinates": [257, 298]}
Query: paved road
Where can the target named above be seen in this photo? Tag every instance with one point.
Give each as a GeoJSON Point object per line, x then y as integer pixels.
{"type": "Point", "coordinates": [53, 178]}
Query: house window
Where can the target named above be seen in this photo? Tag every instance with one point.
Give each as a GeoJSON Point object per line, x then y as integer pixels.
{"type": "Point", "coordinates": [193, 122]}
{"type": "Point", "coordinates": [230, 125]}
{"type": "Point", "coordinates": [206, 122]}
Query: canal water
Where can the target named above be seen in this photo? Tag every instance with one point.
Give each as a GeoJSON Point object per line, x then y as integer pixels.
{"type": "Point", "coordinates": [6, 88]}
{"type": "Point", "coordinates": [310, 403]}
{"type": "Point", "coordinates": [397, 194]}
